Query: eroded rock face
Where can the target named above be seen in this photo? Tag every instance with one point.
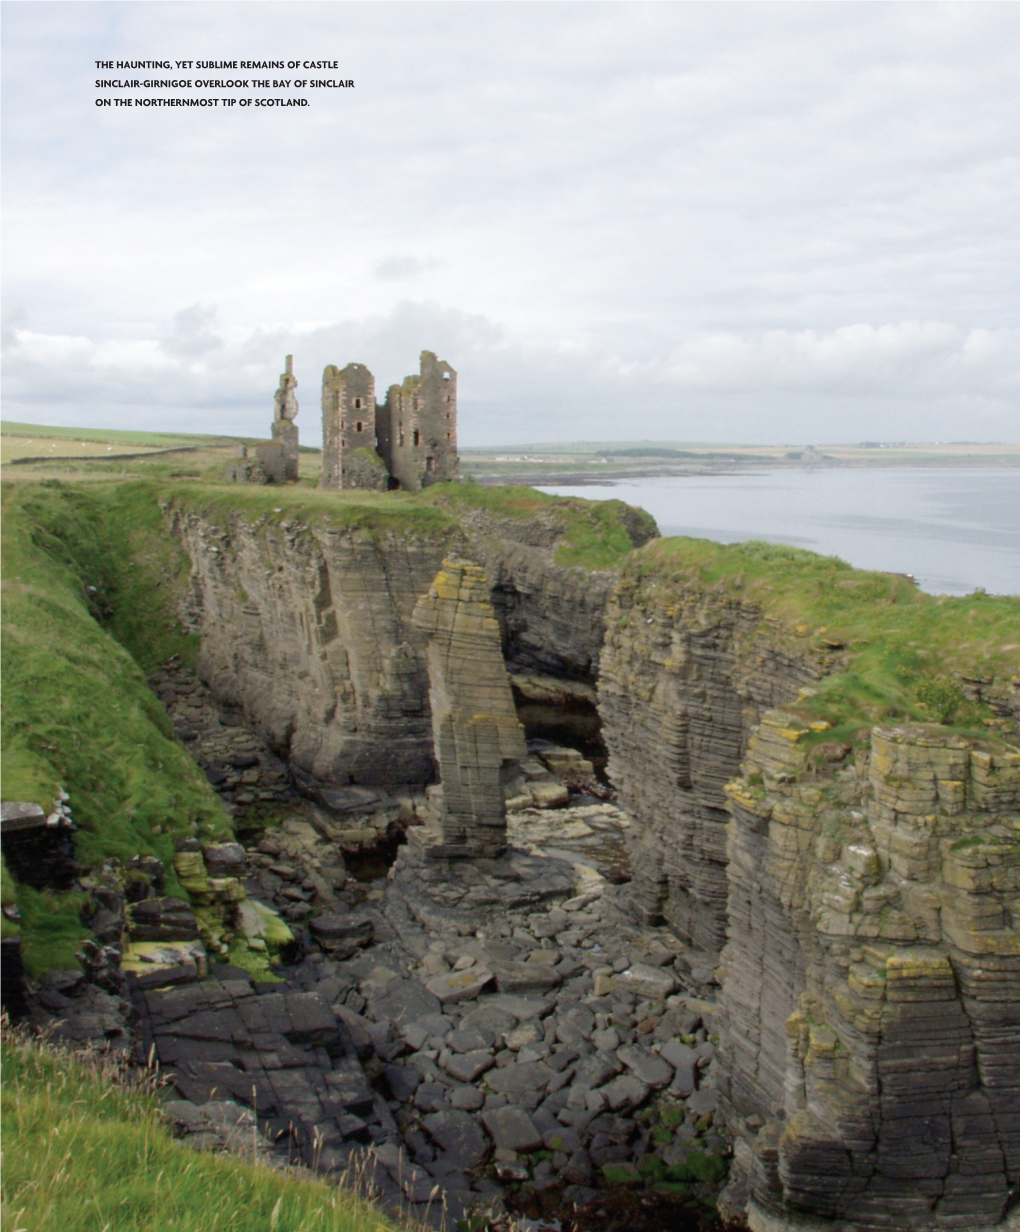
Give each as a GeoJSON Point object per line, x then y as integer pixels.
{"type": "Point", "coordinates": [552, 618]}
{"type": "Point", "coordinates": [866, 902]}
{"type": "Point", "coordinates": [309, 631]}
{"type": "Point", "coordinates": [869, 981]}
{"type": "Point", "coordinates": [478, 739]}
{"type": "Point", "coordinates": [684, 678]}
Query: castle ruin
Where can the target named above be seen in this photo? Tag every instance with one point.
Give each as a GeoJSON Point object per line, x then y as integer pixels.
{"type": "Point", "coordinates": [275, 461]}
{"type": "Point", "coordinates": [409, 441]}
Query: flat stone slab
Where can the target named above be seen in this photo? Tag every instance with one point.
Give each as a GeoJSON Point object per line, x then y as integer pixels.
{"type": "Point", "coordinates": [625, 1093]}
{"type": "Point", "coordinates": [520, 1008]}
{"type": "Point", "coordinates": [403, 1081]}
{"type": "Point", "coordinates": [404, 1003]}
{"type": "Point", "coordinates": [512, 1129]}
{"type": "Point", "coordinates": [646, 1066]}
{"type": "Point", "coordinates": [685, 1063]}
{"type": "Point", "coordinates": [468, 1041]}
{"type": "Point", "coordinates": [347, 800]}
{"type": "Point", "coordinates": [512, 977]}
{"type": "Point", "coordinates": [18, 815]}
{"type": "Point", "coordinates": [467, 1099]}
{"type": "Point", "coordinates": [332, 930]}
{"type": "Point", "coordinates": [519, 1078]}
{"type": "Point", "coordinates": [459, 1137]}
{"type": "Point", "coordinates": [468, 1066]}
{"type": "Point", "coordinates": [459, 985]}
{"type": "Point", "coordinates": [489, 1017]}
{"type": "Point", "coordinates": [703, 1102]}
{"type": "Point", "coordinates": [645, 981]}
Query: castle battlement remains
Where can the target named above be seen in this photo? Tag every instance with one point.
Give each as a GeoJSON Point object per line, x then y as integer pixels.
{"type": "Point", "coordinates": [409, 441]}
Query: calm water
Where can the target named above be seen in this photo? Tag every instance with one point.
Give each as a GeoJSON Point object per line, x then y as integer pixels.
{"type": "Point", "coordinates": [953, 529]}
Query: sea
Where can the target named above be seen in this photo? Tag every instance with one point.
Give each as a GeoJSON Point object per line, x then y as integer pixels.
{"type": "Point", "coordinates": [953, 529]}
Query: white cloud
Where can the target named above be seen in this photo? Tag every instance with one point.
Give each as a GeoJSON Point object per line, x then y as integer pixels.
{"type": "Point", "coordinates": [914, 357]}
{"type": "Point", "coordinates": [753, 214]}
{"type": "Point", "coordinates": [404, 268]}
{"type": "Point", "coordinates": [721, 386]}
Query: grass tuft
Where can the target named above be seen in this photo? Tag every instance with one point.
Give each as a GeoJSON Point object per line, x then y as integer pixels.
{"type": "Point", "coordinates": [87, 1150]}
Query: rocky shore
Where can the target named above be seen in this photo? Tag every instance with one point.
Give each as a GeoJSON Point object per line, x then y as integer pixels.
{"type": "Point", "coordinates": [462, 1036]}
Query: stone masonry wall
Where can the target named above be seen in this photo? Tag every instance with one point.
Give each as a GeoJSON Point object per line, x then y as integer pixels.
{"type": "Point", "coordinates": [349, 459]}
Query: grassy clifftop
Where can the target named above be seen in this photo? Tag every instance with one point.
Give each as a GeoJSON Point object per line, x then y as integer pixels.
{"type": "Point", "coordinates": [592, 534]}
{"type": "Point", "coordinates": [89, 582]}
{"type": "Point", "coordinates": [906, 656]}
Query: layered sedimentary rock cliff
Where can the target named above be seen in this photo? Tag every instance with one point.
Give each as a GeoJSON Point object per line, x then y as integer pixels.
{"type": "Point", "coordinates": [858, 890]}
{"type": "Point", "coordinates": [867, 896]}
{"type": "Point", "coordinates": [479, 742]}
{"type": "Point", "coordinates": [308, 628]}
{"type": "Point", "coordinates": [685, 678]}
{"type": "Point", "coordinates": [307, 625]}
{"type": "Point", "coordinates": [869, 981]}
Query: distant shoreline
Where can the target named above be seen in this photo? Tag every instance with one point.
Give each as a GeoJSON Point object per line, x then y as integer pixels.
{"type": "Point", "coordinates": [586, 478]}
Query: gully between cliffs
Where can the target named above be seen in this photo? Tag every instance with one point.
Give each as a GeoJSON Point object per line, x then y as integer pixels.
{"type": "Point", "coordinates": [867, 960]}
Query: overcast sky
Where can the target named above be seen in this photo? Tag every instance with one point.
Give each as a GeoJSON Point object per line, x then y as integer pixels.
{"type": "Point", "coordinates": [695, 222]}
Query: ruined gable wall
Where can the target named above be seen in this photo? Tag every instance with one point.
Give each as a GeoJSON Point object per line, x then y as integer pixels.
{"type": "Point", "coordinates": [400, 442]}
{"type": "Point", "coordinates": [348, 429]}
{"type": "Point", "coordinates": [439, 420]}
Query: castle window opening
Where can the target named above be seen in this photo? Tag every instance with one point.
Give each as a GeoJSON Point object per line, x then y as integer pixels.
{"type": "Point", "coordinates": [357, 406]}
{"type": "Point", "coordinates": [417, 437]}
{"type": "Point", "coordinates": [446, 376]}
{"type": "Point", "coordinates": [359, 426]}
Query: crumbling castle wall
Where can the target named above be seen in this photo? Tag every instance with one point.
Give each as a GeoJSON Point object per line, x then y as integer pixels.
{"type": "Point", "coordinates": [418, 427]}
{"type": "Point", "coordinates": [274, 461]}
{"type": "Point", "coordinates": [409, 442]}
{"type": "Point", "coordinates": [349, 457]}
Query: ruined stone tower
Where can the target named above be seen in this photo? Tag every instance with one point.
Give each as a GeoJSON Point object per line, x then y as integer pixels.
{"type": "Point", "coordinates": [349, 457]}
{"type": "Point", "coordinates": [417, 427]}
{"type": "Point", "coordinates": [275, 461]}
{"type": "Point", "coordinates": [281, 463]}
{"type": "Point", "coordinates": [409, 442]}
